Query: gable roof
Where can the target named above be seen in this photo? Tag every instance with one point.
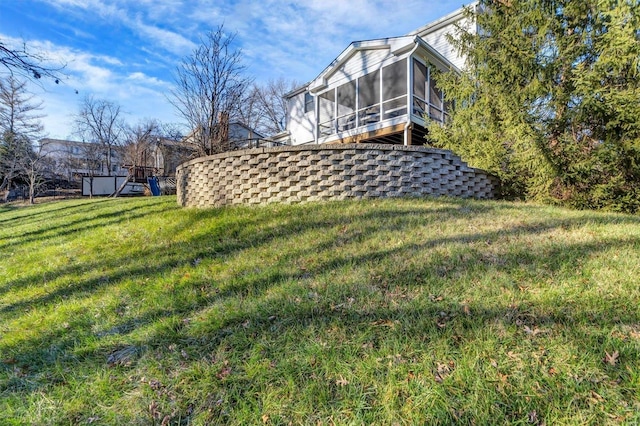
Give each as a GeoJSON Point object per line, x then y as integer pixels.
{"type": "Point", "coordinates": [396, 46]}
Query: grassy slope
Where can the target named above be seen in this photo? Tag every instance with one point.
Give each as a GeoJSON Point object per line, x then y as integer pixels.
{"type": "Point", "coordinates": [414, 311]}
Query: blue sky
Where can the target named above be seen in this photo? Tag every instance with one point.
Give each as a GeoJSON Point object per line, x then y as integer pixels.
{"type": "Point", "coordinates": [126, 51]}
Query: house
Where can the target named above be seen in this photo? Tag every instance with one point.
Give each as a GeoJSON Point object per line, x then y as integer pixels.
{"type": "Point", "coordinates": [377, 91]}
{"type": "Point", "coordinates": [237, 135]}
{"type": "Point", "coordinates": [167, 154]}
{"type": "Point", "coordinates": [159, 156]}
{"type": "Point", "coordinates": [69, 160]}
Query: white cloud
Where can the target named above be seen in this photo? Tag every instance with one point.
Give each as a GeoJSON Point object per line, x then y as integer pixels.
{"type": "Point", "coordinates": [287, 38]}
{"type": "Point", "coordinates": [140, 77]}
{"type": "Point", "coordinates": [168, 40]}
{"type": "Point", "coordinates": [139, 17]}
{"type": "Point", "coordinates": [102, 76]}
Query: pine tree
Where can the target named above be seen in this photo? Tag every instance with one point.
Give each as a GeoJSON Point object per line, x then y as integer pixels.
{"type": "Point", "coordinates": [549, 100]}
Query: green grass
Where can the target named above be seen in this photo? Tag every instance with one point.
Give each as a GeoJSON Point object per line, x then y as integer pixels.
{"type": "Point", "coordinates": [403, 311]}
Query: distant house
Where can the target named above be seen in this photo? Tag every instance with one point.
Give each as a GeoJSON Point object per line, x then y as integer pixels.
{"type": "Point", "coordinates": [239, 136]}
{"type": "Point", "coordinates": [242, 136]}
{"type": "Point", "coordinates": [167, 154]}
{"type": "Point", "coordinates": [70, 160]}
{"type": "Point", "coordinates": [377, 91]}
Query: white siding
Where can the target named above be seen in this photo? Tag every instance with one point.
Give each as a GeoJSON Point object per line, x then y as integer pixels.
{"type": "Point", "coordinates": [362, 62]}
{"type": "Point", "coordinates": [300, 124]}
{"type": "Point", "coordinates": [438, 40]}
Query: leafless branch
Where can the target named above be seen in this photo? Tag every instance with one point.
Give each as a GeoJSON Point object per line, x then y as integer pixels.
{"type": "Point", "coordinates": [28, 64]}
{"type": "Point", "coordinates": [100, 121]}
{"type": "Point", "coordinates": [210, 86]}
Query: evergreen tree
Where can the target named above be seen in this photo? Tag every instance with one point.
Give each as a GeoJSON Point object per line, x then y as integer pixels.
{"type": "Point", "coordinates": [550, 100]}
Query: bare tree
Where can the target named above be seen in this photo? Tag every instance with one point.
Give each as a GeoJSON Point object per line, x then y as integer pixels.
{"type": "Point", "coordinates": [91, 163]}
{"type": "Point", "coordinates": [100, 121]}
{"type": "Point", "coordinates": [34, 164]}
{"type": "Point", "coordinates": [137, 149]}
{"type": "Point", "coordinates": [19, 126]}
{"type": "Point", "coordinates": [23, 62]}
{"type": "Point", "coordinates": [250, 113]}
{"type": "Point", "coordinates": [271, 105]}
{"type": "Point", "coordinates": [210, 85]}
{"type": "Point", "coordinates": [172, 131]}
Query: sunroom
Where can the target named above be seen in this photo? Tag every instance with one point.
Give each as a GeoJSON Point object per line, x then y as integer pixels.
{"type": "Point", "coordinates": [380, 91]}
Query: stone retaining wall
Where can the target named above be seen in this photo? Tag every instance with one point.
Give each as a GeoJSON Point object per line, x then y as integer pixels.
{"type": "Point", "coordinates": [327, 172]}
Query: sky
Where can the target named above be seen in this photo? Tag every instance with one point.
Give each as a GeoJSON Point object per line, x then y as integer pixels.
{"type": "Point", "coordinates": [127, 51]}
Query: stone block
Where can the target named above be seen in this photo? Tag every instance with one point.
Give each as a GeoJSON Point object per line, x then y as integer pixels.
{"type": "Point", "coordinates": [319, 172]}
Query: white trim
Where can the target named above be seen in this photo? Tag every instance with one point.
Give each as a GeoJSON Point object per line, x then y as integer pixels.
{"type": "Point", "coordinates": [446, 20]}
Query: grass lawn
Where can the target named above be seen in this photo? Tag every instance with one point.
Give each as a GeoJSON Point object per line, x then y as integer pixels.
{"type": "Point", "coordinates": [402, 311]}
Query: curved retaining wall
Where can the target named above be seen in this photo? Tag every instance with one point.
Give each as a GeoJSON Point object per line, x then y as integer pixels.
{"type": "Point", "coordinates": [324, 172]}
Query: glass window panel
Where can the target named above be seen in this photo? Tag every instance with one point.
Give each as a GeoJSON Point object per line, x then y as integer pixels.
{"type": "Point", "coordinates": [419, 79]}
{"type": "Point", "coordinates": [394, 80]}
{"type": "Point", "coordinates": [369, 115]}
{"type": "Point", "coordinates": [369, 89]}
{"type": "Point", "coordinates": [435, 114]}
{"type": "Point", "coordinates": [435, 94]}
{"type": "Point", "coordinates": [395, 107]}
{"type": "Point", "coordinates": [326, 105]}
{"type": "Point", "coordinates": [308, 102]}
{"type": "Point", "coordinates": [347, 96]}
{"type": "Point", "coordinates": [419, 106]}
{"type": "Point", "coordinates": [346, 106]}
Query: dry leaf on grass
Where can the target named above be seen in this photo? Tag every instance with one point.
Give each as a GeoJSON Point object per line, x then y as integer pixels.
{"type": "Point", "coordinates": [443, 370]}
{"type": "Point", "coordinates": [224, 372]}
{"type": "Point", "coordinates": [611, 359]}
{"type": "Point", "coordinates": [532, 332]}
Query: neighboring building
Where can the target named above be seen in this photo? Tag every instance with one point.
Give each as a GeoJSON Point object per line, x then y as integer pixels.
{"type": "Point", "coordinates": [239, 136]}
{"type": "Point", "coordinates": [70, 160]}
{"type": "Point", "coordinates": [168, 154]}
{"type": "Point", "coordinates": [377, 91]}
{"type": "Point", "coordinates": [242, 136]}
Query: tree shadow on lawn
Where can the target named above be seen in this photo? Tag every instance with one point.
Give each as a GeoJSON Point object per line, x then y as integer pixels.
{"type": "Point", "coordinates": [584, 324]}
{"type": "Point", "coordinates": [71, 228]}
{"type": "Point", "coordinates": [230, 242]}
{"type": "Point", "coordinates": [203, 324]}
{"type": "Point", "coordinates": [45, 211]}
{"type": "Point", "coordinates": [202, 244]}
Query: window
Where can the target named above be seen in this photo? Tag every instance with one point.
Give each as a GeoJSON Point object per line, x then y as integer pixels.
{"type": "Point", "coordinates": [394, 80]}
{"type": "Point", "coordinates": [369, 98]}
{"type": "Point", "coordinates": [435, 101]}
{"type": "Point", "coordinates": [346, 95]}
{"type": "Point", "coordinates": [309, 104]}
{"type": "Point", "coordinates": [428, 99]}
{"type": "Point", "coordinates": [394, 89]}
{"type": "Point", "coordinates": [326, 112]}
{"type": "Point", "coordinates": [420, 78]}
